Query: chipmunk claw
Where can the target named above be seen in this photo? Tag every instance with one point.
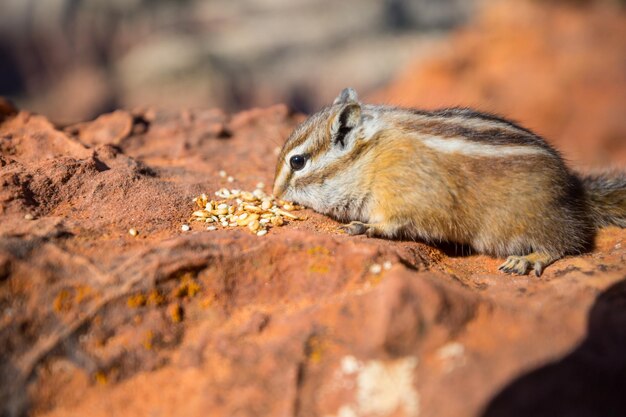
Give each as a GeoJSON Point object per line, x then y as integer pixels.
{"type": "Point", "coordinates": [520, 265]}
{"type": "Point", "coordinates": [515, 265]}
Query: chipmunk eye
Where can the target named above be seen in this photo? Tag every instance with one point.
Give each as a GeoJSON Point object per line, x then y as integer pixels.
{"type": "Point", "coordinates": [297, 162]}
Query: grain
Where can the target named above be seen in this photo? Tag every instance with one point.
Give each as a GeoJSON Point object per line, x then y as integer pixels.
{"type": "Point", "coordinates": [256, 210]}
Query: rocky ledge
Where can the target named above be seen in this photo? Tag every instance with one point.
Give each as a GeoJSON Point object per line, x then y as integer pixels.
{"type": "Point", "coordinates": [304, 321]}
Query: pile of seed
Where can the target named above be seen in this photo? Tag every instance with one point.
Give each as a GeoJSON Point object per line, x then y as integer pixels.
{"type": "Point", "coordinates": [255, 210]}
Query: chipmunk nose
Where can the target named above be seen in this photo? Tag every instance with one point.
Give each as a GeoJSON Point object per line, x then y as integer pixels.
{"type": "Point", "coordinates": [276, 191]}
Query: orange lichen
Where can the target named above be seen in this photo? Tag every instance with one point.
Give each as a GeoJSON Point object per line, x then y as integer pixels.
{"type": "Point", "coordinates": [320, 262]}
{"type": "Point", "coordinates": [314, 349]}
{"type": "Point", "coordinates": [82, 292]}
{"type": "Point", "coordinates": [206, 302]}
{"type": "Point", "coordinates": [136, 301]}
{"type": "Point", "coordinates": [188, 287]}
{"type": "Point", "coordinates": [319, 268]}
{"type": "Point", "coordinates": [63, 301]}
{"type": "Point", "coordinates": [318, 250]}
{"type": "Point", "coordinates": [155, 298]}
{"type": "Point", "coordinates": [101, 378]}
{"type": "Point", "coordinates": [148, 340]}
{"type": "Point", "coordinates": [176, 312]}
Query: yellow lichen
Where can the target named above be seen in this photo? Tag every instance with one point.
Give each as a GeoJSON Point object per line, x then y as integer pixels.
{"type": "Point", "coordinates": [155, 298]}
{"type": "Point", "coordinates": [314, 349]}
{"type": "Point", "coordinates": [318, 250]}
{"type": "Point", "coordinates": [101, 378]}
{"type": "Point", "coordinates": [82, 292]}
{"type": "Point", "coordinates": [206, 302]}
{"type": "Point", "coordinates": [319, 268]}
{"type": "Point", "coordinates": [176, 313]}
{"type": "Point", "coordinates": [63, 301]}
{"type": "Point", "coordinates": [136, 301]}
{"type": "Point", "coordinates": [188, 287]}
{"type": "Point", "coordinates": [148, 339]}
{"type": "Point", "coordinates": [320, 262]}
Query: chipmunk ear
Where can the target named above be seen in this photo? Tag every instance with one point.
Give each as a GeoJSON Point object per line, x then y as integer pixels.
{"type": "Point", "coordinates": [347, 95]}
{"type": "Point", "coordinates": [347, 119]}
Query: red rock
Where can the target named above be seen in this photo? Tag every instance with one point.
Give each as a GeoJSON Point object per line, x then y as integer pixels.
{"type": "Point", "coordinates": [94, 321]}
{"type": "Point", "coordinates": [109, 129]}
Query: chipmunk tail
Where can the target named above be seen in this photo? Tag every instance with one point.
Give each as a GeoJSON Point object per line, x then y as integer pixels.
{"type": "Point", "coordinates": [606, 194]}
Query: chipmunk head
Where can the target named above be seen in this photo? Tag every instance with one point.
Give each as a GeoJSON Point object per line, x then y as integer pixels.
{"type": "Point", "coordinates": [313, 152]}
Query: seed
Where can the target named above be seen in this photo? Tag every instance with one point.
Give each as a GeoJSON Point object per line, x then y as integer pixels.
{"type": "Point", "coordinates": [262, 232]}
{"type": "Point", "coordinates": [230, 179]}
{"type": "Point", "coordinates": [376, 269]}
{"type": "Point", "coordinates": [201, 213]}
{"type": "Point", "coordinates": [247, 196]}
{"type": "Point", "coordinates": [286, 214]}
{"type": "Point", "coordinates": [254, 209]}
{"type": "Point", "coordinates": [260, 185]}
{"type": "Point", "coordinates": [211, 228]}
{"type": "Point", "coordinates": [254, 225]}
{"type": "Point", "coordinates": [28, 216]}
{"type": "Point", "coordinates": [133, 232]}
{"type": "Point", "coordinates": [387, 265]}
{"type": "Point", "coordinates": [222, 173]}
{"type": "Point", "coordinates": [277, 221]}
{"type": "Point", "coordinates": [185, 228]}
{"type": "Point", "coordinates": [223, 192]}
{"type": "Point", "coordinates": [248, 219]}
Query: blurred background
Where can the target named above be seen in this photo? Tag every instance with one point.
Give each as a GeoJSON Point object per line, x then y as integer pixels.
{"type": "Point", "coordinates": [556, 66]}
{"type": "Point", "coordinates": [72, 59]}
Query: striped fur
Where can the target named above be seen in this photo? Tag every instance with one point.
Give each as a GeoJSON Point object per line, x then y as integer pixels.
{"type": "Point", "coordinates": [448, 175]}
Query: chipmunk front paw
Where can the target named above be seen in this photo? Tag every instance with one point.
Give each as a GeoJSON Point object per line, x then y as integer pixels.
{"type": "Point", "coordinates": [521, 264]}
{"type": "Point", "coordinates": [355, 228]}
{"type": "Point", "coordinates": [360, 228]}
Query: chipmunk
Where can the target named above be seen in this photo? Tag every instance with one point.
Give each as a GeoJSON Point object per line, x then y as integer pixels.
{"type": "Point", "coordinates": [454, 175]}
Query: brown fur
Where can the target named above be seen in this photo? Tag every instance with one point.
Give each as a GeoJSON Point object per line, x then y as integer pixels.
{"type": "Point", "coordinates": [521, 201]}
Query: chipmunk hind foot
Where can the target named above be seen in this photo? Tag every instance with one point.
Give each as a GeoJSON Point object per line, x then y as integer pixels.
{"type": "Point", "coordinates": [521, 265]}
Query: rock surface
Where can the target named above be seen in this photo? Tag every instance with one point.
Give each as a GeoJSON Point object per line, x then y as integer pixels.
{"type": "Point", "coordinates": [303, 321]}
